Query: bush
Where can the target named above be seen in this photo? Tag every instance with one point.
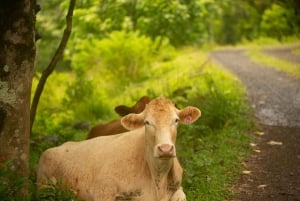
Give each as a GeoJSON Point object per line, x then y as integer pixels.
{"type": "Point", "coordinates": [12, 188]}
{"type": "Point", "coordinates": [55, 191]}
{"type": "Point", "coordinates": [278, 22]}
{"type": "Point", "coordinates": [11, 184]}
{"type": "Point", "coordinates": [126, 55]}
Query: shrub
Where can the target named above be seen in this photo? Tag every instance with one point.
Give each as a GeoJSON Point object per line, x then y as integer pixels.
{"type": "Point", "coordinates": [55, 191]}
{"type": "Point", "coordinates": [278, 22]}
{"type": "Point", "coordinates": [11, 184]}
{"type": "Point", "coordinates": [126, 55]}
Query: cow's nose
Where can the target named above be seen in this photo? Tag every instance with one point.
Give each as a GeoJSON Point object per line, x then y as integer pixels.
{"type": "Point", "coordinates": [166, 150]}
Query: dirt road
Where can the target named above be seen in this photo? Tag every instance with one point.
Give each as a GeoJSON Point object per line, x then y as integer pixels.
{"type": "Point", "coordinates": [273, 171]}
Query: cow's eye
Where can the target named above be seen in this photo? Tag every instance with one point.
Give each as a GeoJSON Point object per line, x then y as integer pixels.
{"type": "Point", "coordinates": [176, 120]}
{"type": "Point", "coordinates": [147, 123]}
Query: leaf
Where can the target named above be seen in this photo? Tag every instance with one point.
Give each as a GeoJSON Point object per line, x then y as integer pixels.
{"type": "Point", "coordinates": [262, 186]}
{"type": "Point", "coordinates": [259, 133]}
{"type": "Point", "coordinates": [274, 143]}
{"type": "Point", "coordinates": [246, 172]}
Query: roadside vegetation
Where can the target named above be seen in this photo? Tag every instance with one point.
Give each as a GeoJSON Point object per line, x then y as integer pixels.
{"type": "Point", "coordinates": [210, 150]}
{"type": "Point", "coordinates": [291, 68]}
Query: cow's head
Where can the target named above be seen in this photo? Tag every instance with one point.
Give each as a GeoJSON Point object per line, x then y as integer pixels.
{"type": "Point", "coordinates": [139, 106]}
{"type": "Point", "coordinates": [160, 119]}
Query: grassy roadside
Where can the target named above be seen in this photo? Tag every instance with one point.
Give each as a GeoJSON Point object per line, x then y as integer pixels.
{"type": "Point", "coordinates": [210, 150]}
{"type": "Point", "coordinates": [257, 55]}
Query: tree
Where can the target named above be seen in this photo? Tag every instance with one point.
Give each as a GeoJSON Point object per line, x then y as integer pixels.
{"type": "Point", "coordinates": [17, 57]}
{"type": "Point", "coordinates": [278, 22]}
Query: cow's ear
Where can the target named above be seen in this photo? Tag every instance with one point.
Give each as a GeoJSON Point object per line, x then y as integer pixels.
{"type": "Point", "coordinates": [133, 121]}
{"type": "Point", "coordinates": [123, 110]}
{"type": "Point", "coordinates": [189, 114]}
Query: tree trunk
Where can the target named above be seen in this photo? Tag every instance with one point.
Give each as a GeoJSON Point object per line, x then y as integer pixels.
{"type": "Point", "coordinates": [17, 56]}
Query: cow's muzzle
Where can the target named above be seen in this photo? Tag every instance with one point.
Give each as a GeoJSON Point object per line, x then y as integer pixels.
{"type": "Point", "coordinates": [166, 151]}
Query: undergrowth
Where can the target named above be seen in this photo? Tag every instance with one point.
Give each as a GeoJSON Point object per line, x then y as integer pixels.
{"type": "Point", "coordinates": [257, 55]}
{"type": "Point", "coordinates": [210, 150]}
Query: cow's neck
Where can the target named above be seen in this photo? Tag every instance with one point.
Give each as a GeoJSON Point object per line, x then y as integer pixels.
{"type": "Point", "coordinates": [159, 170]}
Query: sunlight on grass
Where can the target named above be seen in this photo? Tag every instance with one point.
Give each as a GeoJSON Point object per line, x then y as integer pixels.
{"type": "Point", "coordinates": [210, 151]}
{"type": "Point", "coordinates": [258, 56]}
{"type": "Point", "coordinates": [296, 51]}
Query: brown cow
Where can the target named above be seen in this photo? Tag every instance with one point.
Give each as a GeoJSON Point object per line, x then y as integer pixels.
{"type": "Point", "coordinates": [114, 126]}
{"type": "Point", "coordinates": [139, 106]}
{"type": "Point", "coordinates": [137, 165]}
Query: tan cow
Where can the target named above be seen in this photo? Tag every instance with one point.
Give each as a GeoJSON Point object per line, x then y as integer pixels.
{"type": "Point", "coordinates": [139, 165]}
{"type": "Point", "coordinates": [115, 126]}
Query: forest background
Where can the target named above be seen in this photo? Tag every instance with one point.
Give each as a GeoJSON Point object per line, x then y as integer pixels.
{"type": "Point", "coordinates": [120, 50]}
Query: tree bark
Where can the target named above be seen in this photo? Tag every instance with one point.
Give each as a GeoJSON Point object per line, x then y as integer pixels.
{"type": "Point", "coordinates": [17, 57]}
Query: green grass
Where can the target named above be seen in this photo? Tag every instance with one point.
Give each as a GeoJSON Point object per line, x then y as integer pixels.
{"type": "Point", "coordinates": [210, 150]}
{"type": "Point", "coordinates": [296, 51]}
{"type": "Point", "coordinates": [258, 56]}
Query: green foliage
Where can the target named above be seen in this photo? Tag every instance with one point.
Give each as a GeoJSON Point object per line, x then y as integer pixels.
{"type": "Point", "coordinates": [296, 51]}
{"type": "Point", "coordinates": [291, 68]}
{"type": "Point", "coordinates": [84, 101]}
{"type": "Point", "coordinates": [176, 20]}
{"type": "Point", "coordinates": [11, 184]}
{"type": "Point", "coordinates": [221, 95]}
{"type": "Point", "coordinates": [211, 161]}
{"type": "Point", "coordinates": [119, 60]}
{"type": "Point", "coordinates": [278, 22]}
{"type": "Point", "coordinates": [12, 188]}
{"type": "Point", "coordinates": [127, 54]}
{"type": "Point", "coordinates": [50, 24]}
{"type": "Point", "coordinates": [209, 150]}
{"type": "Point", "coordinates": [55, 191]}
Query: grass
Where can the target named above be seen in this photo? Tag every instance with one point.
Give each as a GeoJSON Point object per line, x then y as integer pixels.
{"type": "Point", "coordinates": [258, 56]}
{"type": "Point", "coordinates": [210, 150]}
{"type": "Point", "coordinates": [296, 51]}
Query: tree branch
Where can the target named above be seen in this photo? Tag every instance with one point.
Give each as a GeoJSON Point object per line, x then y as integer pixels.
{"type": "Point", "coordinates": [57, 56]}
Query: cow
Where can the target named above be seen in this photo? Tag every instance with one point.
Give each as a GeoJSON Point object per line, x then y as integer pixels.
{"type": "Point", "coordinates": [115, 126]}
{"type": "Point", "coordinates": [139, 106]}
{"type": "Point", "coordinates": [139, 165]}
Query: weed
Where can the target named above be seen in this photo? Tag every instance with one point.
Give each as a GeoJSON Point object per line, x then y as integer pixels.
{"type": "Point", "coordinates": [210, 150]}
{"type": "Point", "coordinates": [258, 56]}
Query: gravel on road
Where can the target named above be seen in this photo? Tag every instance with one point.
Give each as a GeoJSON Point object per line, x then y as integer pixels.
{"type": "Point", "coordinates": [273, 170]}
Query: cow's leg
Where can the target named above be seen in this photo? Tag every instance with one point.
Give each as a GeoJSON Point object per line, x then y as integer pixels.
{"type": "Point", "coordinates": [178, 195]}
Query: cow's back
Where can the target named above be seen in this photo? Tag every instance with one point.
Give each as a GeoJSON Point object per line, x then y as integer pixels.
{"type": "Point", "coordinates": [112, 128]}
{"type": "Point", "coordinates": [83, 164]}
